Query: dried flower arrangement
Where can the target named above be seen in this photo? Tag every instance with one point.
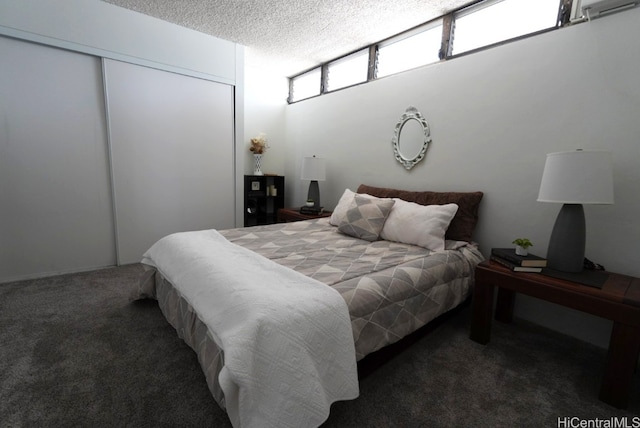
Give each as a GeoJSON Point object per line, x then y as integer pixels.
{"type": "Point", "coordinates": [259, 144]}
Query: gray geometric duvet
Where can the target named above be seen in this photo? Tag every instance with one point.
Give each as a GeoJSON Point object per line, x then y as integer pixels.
{"type": "Point", "coordinates": [391, 289]}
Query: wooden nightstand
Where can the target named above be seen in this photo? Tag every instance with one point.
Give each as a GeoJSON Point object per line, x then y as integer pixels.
{"type": "Point", "coordinates": [286, 215]}
{"type": "Point", "coordinates": [618, 300]}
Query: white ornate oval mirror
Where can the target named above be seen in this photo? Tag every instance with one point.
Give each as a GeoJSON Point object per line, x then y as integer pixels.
{"type": "Point", "coordinates": [411, 138]}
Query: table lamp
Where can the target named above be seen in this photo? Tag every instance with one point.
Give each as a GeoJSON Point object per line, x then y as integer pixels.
{"type": "Point", "coordinates": [573, 179]}
{"type": "Point", "coordinates": [313, 169]}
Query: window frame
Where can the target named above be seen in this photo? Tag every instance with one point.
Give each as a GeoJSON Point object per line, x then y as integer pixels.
{"type": "Point", "coordinates": [398, 38]}
{"type": "Point", "coordinates": [290, 99]}
{"type": "Point", "coordinates": [343, 59]}
{"type": "Point", "coordinates": [484, 4]}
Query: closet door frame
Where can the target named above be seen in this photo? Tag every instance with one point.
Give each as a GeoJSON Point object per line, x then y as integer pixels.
{"type": "Point", "coordinates": [171, 140]}
{"type": "Point", "coordinates": [235, 55]}
{"type": "Point", "coordinates": [56, 207]}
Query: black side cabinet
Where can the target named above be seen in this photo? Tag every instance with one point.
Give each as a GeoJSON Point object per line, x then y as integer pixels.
{"type": "Point", "coordinates": [263, 197]}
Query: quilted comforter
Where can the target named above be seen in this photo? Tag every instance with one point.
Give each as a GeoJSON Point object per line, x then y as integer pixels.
{"type": "Point", "coordinates": [286, 337]}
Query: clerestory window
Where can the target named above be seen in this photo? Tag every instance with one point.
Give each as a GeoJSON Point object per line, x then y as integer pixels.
{"type": "Point", "coordinates": [481, 25]}
{"type": "Point", "coordinates": [494, 21]}
{"type": "Point", "coordinates": [410, 50]}
{"type": "Point", "coordinates": [305, 86]}
{"type": "Point", "coordinates": [348, 71]}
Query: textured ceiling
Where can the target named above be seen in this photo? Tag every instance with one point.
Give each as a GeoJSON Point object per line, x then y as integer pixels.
{"type": "Point", "coordinates": [290, 36]}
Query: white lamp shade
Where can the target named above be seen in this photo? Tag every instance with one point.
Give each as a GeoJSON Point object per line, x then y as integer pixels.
{"type": "Point", "coordinates": [313, 168]}
{"type": "Point", "coordinates": [579, 177]}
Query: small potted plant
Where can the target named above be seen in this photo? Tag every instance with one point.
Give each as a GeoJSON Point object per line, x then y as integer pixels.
{"type": "Point", "coordinates": [522, 246]}
{"type": "Point", "coordinates": [309, 203]}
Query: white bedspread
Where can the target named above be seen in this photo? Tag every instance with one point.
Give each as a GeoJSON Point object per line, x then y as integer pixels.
{"type": "Point", "coordinates": [287, 338]}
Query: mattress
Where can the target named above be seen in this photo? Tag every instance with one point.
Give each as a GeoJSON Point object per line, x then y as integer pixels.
{"type": "Point", "coordinates": [391, 289]}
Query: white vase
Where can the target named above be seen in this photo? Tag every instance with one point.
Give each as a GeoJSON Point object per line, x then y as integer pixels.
{"type": "Point", "coordinates": [521, 251]}
{"type": "Point", "coordinates": [257, 169]}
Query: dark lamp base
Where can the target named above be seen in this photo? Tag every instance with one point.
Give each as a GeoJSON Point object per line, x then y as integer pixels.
{"type": "Point", "coordinates": [567, 242]}
{"type": "Point", "coordinates": [314, 194]}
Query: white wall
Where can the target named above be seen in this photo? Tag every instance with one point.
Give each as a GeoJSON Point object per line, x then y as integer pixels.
{"type": "Point", "coordinates": [264, 100]}
{"type": "Point", "coordinates": [494, 115]}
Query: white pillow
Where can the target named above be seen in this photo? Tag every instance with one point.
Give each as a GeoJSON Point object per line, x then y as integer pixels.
{"type": "Point", "coordinates": [339, 214]}
{"type": "Point", "coordinates": [422, 225]}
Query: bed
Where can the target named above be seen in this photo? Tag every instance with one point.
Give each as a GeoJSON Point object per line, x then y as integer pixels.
{"type": "Point", "coordinates": [279, 315]}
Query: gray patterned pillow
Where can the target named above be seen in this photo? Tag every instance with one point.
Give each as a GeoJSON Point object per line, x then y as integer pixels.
{"type": "Point", "coordinates": [365, 217]}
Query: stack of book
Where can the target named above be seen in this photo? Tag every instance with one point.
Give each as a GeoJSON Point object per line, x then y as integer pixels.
{"type": "Point", "coordinates": [508, 257]}
{"type": "Point", "coordinates": [311, 210]}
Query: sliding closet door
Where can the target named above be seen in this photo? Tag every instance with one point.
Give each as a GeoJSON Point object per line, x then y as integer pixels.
{"type": "Point", "coordinates": [171, 140]}
{"type": "Point", "coordinates": [55, 194]}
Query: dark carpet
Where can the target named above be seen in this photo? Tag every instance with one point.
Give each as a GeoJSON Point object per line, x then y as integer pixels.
{"type": "Point", "coordinates": [74, 352]}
